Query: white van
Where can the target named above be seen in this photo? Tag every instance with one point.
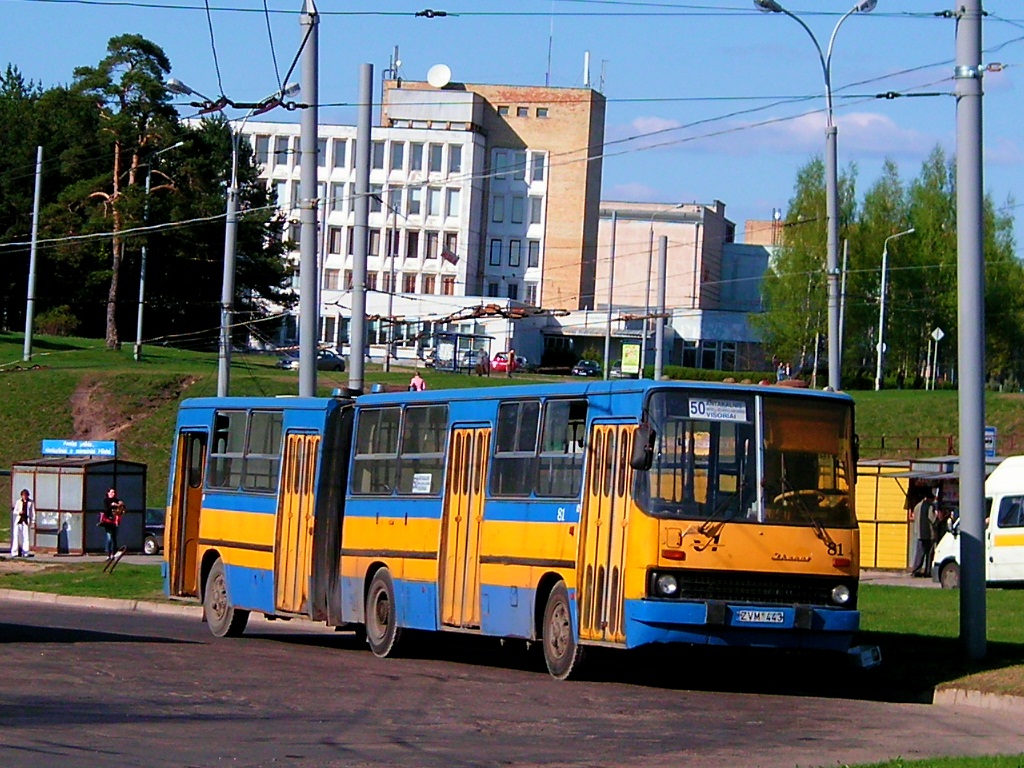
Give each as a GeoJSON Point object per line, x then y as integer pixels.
{"type": "Point", "coordinates": [1004, 531]}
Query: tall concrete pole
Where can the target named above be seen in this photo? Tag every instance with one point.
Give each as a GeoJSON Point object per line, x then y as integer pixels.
{"type": "Point", "coordinates": [832, 248]}
{"type": "Point", "coordinates": [30, 300]}
{"type": "Point", "coordinates": [611, 298]}
{"type": "Point", "coordinates": [659, 326]}
{"type": "Point", "coordinates": [309, 282]}
{"type": "Point", "coordinates": [357, 326]}
{"type": "Point", "coordinates": [970, 322]}
{"type": "Point", "coordinates": [227, 287]}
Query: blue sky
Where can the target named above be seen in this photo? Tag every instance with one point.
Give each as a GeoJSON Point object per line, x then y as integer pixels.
{"type": "Point", "coordinates": [736, 95]}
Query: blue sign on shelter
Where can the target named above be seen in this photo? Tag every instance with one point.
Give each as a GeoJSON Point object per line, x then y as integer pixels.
{"type": "Point", "coordinates": [80, 448]}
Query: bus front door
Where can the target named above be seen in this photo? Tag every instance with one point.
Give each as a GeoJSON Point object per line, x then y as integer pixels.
{"type": "Point", "coordinates": [293, 551]}
{"type": "Point", "coordinates": [605, 518]}
{"type": "Point", "coordinates": [182, 523]}
{"type": "Point", "coordinates": [460, 528]}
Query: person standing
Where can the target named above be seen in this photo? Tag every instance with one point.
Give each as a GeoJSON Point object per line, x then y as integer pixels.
{"type": "Point", "coordinates": [924, 519]}
{"type": "Point", "coordinates": [110, 519]}
{"type": "Point", "coordinates": [23, 517]}
{"type": "Point", "coordinates": [417, 383]}
{"type": "Point", "coordinates": [510, 365]}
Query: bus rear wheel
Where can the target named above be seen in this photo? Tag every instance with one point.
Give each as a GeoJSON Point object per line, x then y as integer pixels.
{"type": "Point", "coordinates": [382, 630]}
{"type": "Point", "coordinates": [223, 618]}
{"type": "Point", "coordinates": [562, 654]}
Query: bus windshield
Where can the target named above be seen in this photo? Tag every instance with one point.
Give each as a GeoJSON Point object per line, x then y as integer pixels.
{"type": "Point", "coordinates": [705, 465]}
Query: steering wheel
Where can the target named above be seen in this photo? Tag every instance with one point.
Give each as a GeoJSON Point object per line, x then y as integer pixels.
{"type": "Point", "coordinates": [803, 494]}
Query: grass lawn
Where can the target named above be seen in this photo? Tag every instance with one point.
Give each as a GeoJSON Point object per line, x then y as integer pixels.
{"type": "Point", "coordinates": [1009, 761]}
{"type": "Point", "coordinates": [87, 579]}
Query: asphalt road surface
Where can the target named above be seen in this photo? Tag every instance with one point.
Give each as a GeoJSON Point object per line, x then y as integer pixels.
{"type": "Point", "coordinates": [87, 687]}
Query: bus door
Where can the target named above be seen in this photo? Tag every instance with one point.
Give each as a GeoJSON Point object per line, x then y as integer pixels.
{"type": "Point", "coordinates": [460, 527]}
{"type": "Point", "coordinates": [182, 524]}
{"type": "Point", "coordinates": [293, 550]}
{"type": "Point", "coordinates": [603, 527]}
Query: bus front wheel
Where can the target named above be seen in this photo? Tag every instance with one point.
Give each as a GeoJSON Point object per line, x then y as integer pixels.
{"type": "Point", "coordinates": [562, 653]}
{"type": "Point", "coordinates": [223, 618]}
{"type": "Point", "coordinates": [382, 630]}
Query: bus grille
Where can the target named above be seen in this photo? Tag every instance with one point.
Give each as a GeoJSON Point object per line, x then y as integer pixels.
{"type": "Point", "coordinates": [761, 588]}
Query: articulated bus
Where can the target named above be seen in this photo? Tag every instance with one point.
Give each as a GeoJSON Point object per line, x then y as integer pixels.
{"type": "Point", "coordinates": [579, 514]}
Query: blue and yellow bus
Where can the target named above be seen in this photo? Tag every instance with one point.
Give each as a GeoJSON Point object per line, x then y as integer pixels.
{"type": "Point", "coordinates": [578, 514]}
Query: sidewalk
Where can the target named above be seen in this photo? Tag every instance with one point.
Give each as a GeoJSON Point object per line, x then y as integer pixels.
{"type": "Point", "coordinates": [895, 579]}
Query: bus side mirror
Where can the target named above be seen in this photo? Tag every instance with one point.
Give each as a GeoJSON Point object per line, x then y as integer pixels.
{"type": "Point", "coordinates": [643, 447]}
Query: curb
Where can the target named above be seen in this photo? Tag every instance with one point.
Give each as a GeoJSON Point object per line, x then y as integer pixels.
{"type": "Point", "coordinates": [103, 603]}
{"type": "Point", "coordinates": [961, 697]}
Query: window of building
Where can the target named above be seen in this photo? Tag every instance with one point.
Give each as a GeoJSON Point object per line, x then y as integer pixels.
{"type": "Point", "coordinates": [433, 241]}
{"type": "Point", "coordinates": [340, 147]}
{"type": "Point", "coordinates": [280, 192]}
{"type": "Point", "coordinates": [542, 111]}
{"type": "Point", "coordinates": [371, 281]}
{"type": "Point", "coordinates": [295, 232]}
{"type": "Point", "coordinates": [533, 253]}
{"type": "Point", "coordinates": [351, 198]}
{"type": "Point", "coordinates": [377, 156]}
{"type": "Point", "coordinates": [376, 192]}
{"type": "Point", "coordinates": [500, 164]}
{"type": "Point", "coordinates": [519, 165]}
{"type": "Point", "coordinates": [518, 204]}
{"type": "Point", "coordinates": [334, 239]}
{"type": "Point", "coordinates": [537, 166]}
{"type": "Point", "coordinates": [434, 158]}
{"type": "Point", "coordinates": [447, 285]}
{"type": "Point", "coordinates": [330, 330]}
{"type": "Point", "coordinates": [281, 150]}
{"type": "Point", "coordinates": [429, 283]}
{"type": "Point", "coordinates": [415, 200]}
{"type": "Point", "coordinates": [515, 253]}
{"type": "Point", "coordinates": [513, 468]}
{"type": "Point", "coordinates": [522, 111]}
{"type": "Point", "coordinates": [433, 201]}
{"type": "Point", "coordinates": [513, 291]}
{"type": "Point", "coordinates": [503, 110]}
{"type": "Point", "coordinates": [348, 279]}
{"type": "Point", "coordinates": [492, 289]}
{"type": "Point", "coordinates": [374, 241]}
{"type": "Point", "coordinates": [416, 156]}
{"type": "Point", "coordinates": [498, 209]}
{"type": "Point", "coordinates": [321, 195]}
{"type": "Point", "coordinates": [690, 354]}
{"type": "Point", "coordinates": [530, 294]}
{"type": "Point", "coordinates": [395, 201]}
{"type": "Point", "coordinates": [412, 244]}
{"type": "Point", "coordinates": [262, 149]}
{"type": "Point", "coordinates": [495, 260]}
{"type": "Point", "coordinates": [536, 209]}
{"type": "Point", "coordinates": [409, 282]}
{"type": "Point", "coordinates": [321, 153]}
{"type": "Point", "coordinates": [397, 155]}
{"type": "Point", "coordinates": [708, 355]}
{"type": "Point", "coordinates": [452, 201]}
{"type": "Point", "coordinates": [331, 279]}
{"type": "Point", "coordinates": [387, 282]}
{"type": "Point", "coordinates": [728, 356]}
{"type": "Point", "coordinates": [451, 242]}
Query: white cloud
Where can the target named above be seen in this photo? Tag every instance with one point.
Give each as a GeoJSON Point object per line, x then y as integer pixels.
{"type": "Point", "coordinates": [633, 191]}
{"type": "Point", "coordinates": [1003, 151]}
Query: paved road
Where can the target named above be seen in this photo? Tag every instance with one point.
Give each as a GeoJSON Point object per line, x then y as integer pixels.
{"type": "Point", "coordinates": [86, 687]}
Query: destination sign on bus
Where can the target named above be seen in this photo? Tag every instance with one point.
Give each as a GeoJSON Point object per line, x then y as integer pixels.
{"type": "Point", "coordinates": [718, 410]}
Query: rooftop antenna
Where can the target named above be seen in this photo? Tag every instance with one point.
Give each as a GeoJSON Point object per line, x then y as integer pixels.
{"type": "Point", "coordinates": [439, 75]}
{"type": "Point", "coordinates": [586, 69]}
{"type": "Point", "coordinates": [392, 73]}
{"type": "Point", "coordinates": [551, 43]}
{"type": "Point", "coordinates": [604, 64]}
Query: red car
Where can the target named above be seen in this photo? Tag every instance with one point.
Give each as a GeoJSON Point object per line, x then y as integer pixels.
{"type": "Point", "coordinates": [500, 363]}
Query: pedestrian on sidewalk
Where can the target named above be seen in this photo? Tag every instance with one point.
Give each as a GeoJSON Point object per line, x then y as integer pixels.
{"type": "Point", "coordinates": [924, 520]}
{"type": "Point", "coordinates": [23, 517]}
{"type": "Point", "coordinates": [417, 383]}
{"type": "Point", "coordinates": [110, 519]}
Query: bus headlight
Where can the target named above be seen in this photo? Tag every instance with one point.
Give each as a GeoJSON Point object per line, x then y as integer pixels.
{"type": "Point", "coordinates": [666, 585]}
{"type": "Point", "coordinates": [841, 595]}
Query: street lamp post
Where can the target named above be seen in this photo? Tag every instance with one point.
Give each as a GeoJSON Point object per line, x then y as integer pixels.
{"type": "Point", "coordinates": [227, 295]}
{"type": "Point", "coordinates": [831, 180]}
{"type": "Point", "coordinates": [881, 306]}
{"type": "Point", "coordinates": [647, 293]}
{"type": "Point", "coordinates": [142, 259]}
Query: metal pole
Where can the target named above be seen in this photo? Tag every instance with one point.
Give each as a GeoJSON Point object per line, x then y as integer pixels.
{"type": "Point", "coordinates": [647, 301]}
{"type": "Point", "coordinates": [832, 245]}
{"type": "Point", "coordinates": [227, 293]}
{"type": "Point", "coordinates": [611, 290]}
{"type": "Point", "coordinates": [881, 317]}
{"type": "Point", "coordinates": [30, 299]}
{"type": "Point", "coordinates": [842, 296]}
{"type": "Point", "coordinates": [696, 266]}
{"type": "Point", "coordinates": [971, 328]}
{"type": "Point", "coordinates": [389, 249]}
{"type": "Point", "coordinates": [142, 271]}
{"type": "Point", "coordinates": [357, 332]}
{"type": "Point", "coordinates": [659, 324]}
{"type": "Point", "coordinates": [309, 290]}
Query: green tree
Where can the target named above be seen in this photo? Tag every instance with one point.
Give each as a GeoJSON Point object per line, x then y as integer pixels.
{"type": "Point", "coordinates": [137, 117]}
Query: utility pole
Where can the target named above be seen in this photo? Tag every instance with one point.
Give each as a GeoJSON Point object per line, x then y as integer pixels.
{"type": "Point", "coordinates": [659, 327]}
{"type": "Point", "coordinates": [30, 303]}
{"type": "Point", "coordinates": [611, 296]}
{"type": "Point", "coordinates": [357, 325]}
{"type": "Point", "coordinates": [309, 288]}
{"type": "Point", "coordinates": [970, 323]}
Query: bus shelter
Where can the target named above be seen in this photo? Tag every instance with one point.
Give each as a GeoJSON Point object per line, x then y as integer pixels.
{"type": "Point", "coordinates": [69, 493]}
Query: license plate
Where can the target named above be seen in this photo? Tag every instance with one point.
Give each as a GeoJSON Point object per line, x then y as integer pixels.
{"type": "Point", "coordinates": [748, 616]}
